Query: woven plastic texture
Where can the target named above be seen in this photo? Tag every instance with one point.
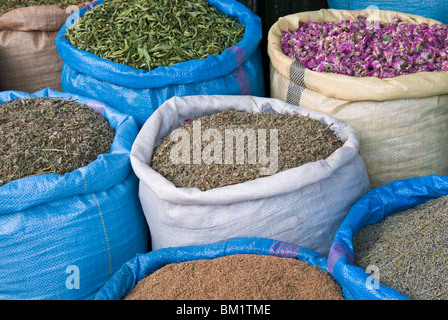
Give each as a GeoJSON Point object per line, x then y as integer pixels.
{"type": "Point", "coordinates": [124, 280]}
{"type": "Point", "coordinates": [375, 206]}
{"type": "Point", "coordinates": [63, 236]}
{"type": "Point", "coordinates": [237, 70]}
{"type": "Point", "coordinates": [304, 205]}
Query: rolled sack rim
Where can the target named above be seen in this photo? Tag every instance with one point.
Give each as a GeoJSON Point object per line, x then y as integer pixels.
{"type": "Point", "coordinates": [352, 88]}
{"type": "Point", "coordinates": [107, 170]}
{"type": "Point", "coordinates": [268, 186]}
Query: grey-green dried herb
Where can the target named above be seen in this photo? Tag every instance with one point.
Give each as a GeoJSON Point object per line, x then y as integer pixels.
{"type": "Point", "coordinates": [8, 5]}
{"type": "Point", "coordinates": [146, 34]}
{"type": "Point", "coordinates": [410, 250]}
{"type": "Point", "coordinates": [300, 140]}
{"type": "Point", "coordinates": [49, 135]}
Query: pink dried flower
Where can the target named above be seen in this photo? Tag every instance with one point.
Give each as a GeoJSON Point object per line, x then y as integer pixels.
{"type": "Point", "coordinates": [362, 48]}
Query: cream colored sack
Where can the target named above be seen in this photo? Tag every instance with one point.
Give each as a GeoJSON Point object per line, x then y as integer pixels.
{"type": "Point", "coordinates": [28, 58]}
{"type": "Point", "coordinates": [402, 121]}
{"type": "Point", "coordinates": [304, 205]}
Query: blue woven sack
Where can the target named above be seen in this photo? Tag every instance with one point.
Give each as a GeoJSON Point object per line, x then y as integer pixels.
{"type": "Point", "coordinates": [124, 280]}
{"type": "Point", "coordinates": [375, 206]}
{"type": "Point", "coordinates": [63, 236]}
{"type": "Point", "coordinates": [237, 70]}
{"type": "Point", "coordinates": [433, 9]}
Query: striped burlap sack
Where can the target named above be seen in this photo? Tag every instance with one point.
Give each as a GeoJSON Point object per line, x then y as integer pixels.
{"type": "Point", "coordinates": [28, 58]}
{"type": "Point", "coordinates": [402, 121]}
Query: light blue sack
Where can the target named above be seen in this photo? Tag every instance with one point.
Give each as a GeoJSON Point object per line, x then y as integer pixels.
{"type": "Point", "coordinates": [375, 206]}
{"type": "Point", "coordinates": [63, 236]}
{"type": "Point", "coordinates": [433, 9]}
{"type": "Point", "coordinates": [124, 280]}
{"type": "Point", "coordinates": [238, 70]}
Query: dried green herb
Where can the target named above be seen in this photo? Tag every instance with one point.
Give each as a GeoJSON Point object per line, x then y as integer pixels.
{"type": "Point", "coordinates": [49, 135]}
{"type": "Point", "coordinates": [410, 250]}
{"type": "Point", "coordinates": [299, 140]}
{"type": "Point", "coordinates": [8, 5]}
{"type": "Point", "coordinates": [146, 34]}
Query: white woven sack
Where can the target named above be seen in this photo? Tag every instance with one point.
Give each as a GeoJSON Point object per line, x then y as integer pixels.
{"type": "Point", "coordinates": [402, 121]}
{"type": "Point", "coordinates": [303, 205]}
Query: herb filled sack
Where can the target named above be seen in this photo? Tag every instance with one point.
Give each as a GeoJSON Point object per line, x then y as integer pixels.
{"type": "Point", "coordinates": [144, 265]}
{"type": "Point", "coordinates": [303, 205]}
{"type": "Point", "coordinates": [159, 70]}
{"type": "Point", "coordinates": [63, 235]}
{"type": "Point", "coordinates": [359, 75]}
{"type": "Point", "coordinates": [29, 60]}
{"type": "Point", "coordinates": [411, 262]}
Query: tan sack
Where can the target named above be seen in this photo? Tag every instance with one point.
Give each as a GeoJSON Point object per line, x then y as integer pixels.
{"type": "Point", "coordinates": [402, 121]}
{"type": "Point", "coordinates": [28, 58]}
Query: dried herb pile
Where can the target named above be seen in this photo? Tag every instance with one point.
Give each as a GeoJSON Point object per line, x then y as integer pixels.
{"type": "Point", "coordinates": [8, 5]}
{"type": "Point", "coordinates": [238, 277]}
{"type": "Point", "coordinates": [48, 135]}
{"type": "Point", "coordinates": [300, 140]}
{"type": "Point", "coordinates": [146, 34]}
{"type": "Point", "coordinates": [410, 250]}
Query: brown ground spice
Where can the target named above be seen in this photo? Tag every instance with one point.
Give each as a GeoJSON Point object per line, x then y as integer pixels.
{"type": "Point", "coordinates": [238, 277]}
